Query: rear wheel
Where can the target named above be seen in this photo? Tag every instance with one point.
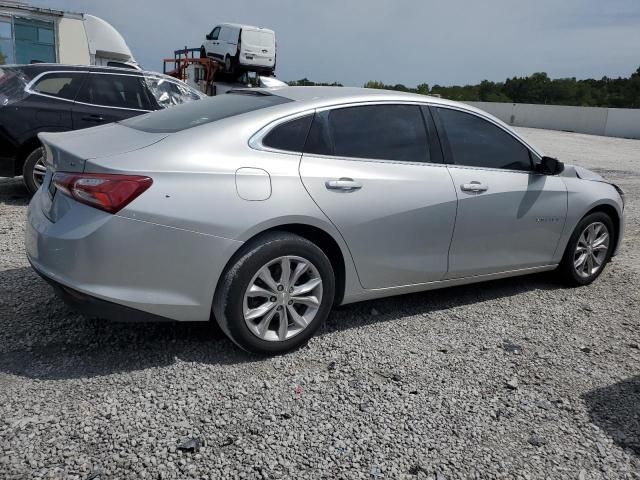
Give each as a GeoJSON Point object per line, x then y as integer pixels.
{"type": "Point", "coordinates": [276, 294]}
{"type": "Point", "coordinates": [589, 250]}
{"type": "Point", "coordinates": [34, 170]}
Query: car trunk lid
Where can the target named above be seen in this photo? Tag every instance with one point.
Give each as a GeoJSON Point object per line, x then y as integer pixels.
{"type": "Point", "coordinates": [69, 152]}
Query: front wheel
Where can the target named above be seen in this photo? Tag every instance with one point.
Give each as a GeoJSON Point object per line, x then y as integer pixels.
{"type": "Point", "coordinates": [203, 52]}
{"type": "Point", "coordinates": [34, 170]}
{"type": "Point", "coordinates": [276, 294]}
{"type": "Point", "coordinates": [588, 250]}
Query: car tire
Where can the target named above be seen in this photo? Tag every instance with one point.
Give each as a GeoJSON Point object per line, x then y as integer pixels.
{"type": "Point", "coordinates": [589, 250]}
{"type": "Point", "coordinates": [203, 52]}
{"type": "Point", "coordinates": [289, 319]}
{"type": "Point", "coordinates": [33, 170]}
{"type": "Point", "coordinates": [229, 65]}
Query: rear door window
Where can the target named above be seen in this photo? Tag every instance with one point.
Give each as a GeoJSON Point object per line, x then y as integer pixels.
{"type": "Point", "coordinates": [258, 38]}
{"type": "Point", "coordinates": [116, 90]}
{"type": "Point", "coordinates": [476, 142]}
{"type": "Point", "coordinates": [383, 132]}
{"type": "Point", "coordinates": [64, 85]}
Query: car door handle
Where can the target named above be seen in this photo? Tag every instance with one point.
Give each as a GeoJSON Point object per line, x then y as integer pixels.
{"type": "Point", "coordinates": [343, 185]}
{"type": "Point", "coordinates": [473, 187]}
{"type": "Point", "coordinates": [93, 118]}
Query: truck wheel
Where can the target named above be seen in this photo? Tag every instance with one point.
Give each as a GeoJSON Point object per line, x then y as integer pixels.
{"type": "Point", "coordinates": [229, 65]}
{"type": "Point", "coordinates": [203, 52]}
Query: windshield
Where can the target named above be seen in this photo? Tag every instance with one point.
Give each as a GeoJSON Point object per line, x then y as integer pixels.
{"type": "Point", "coordinates": [169, 92]}
{"type": "Point", "coordinates": [205, 111]}
{"type": "Point", "coordinates": [12, 83]}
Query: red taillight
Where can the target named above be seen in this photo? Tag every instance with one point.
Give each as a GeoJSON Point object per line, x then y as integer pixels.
{"type": "Point", "coordinates": [108, 192]}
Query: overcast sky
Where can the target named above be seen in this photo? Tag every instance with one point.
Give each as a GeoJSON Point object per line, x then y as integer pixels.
{"type": "Point", "coordinates": [396, 41]}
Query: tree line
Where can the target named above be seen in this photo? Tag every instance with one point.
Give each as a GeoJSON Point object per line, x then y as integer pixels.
{"type": "Point", "coordinates": [537, 88]}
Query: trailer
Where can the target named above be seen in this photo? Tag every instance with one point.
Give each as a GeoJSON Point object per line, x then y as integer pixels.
{"type": "Point", "coordinates": [208, 75]}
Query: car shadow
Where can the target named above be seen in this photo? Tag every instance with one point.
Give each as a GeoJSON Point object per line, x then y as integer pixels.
{"type": "Point", "coordinates": [13, 192]}
{"type": "Point", "coordinates": [616, 410]}
{"type": "Point", "coordinates": [42, 338]}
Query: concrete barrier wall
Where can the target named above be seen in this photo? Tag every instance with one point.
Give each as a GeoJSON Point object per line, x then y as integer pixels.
{"type": "Point", "coordinates": [612, 122]}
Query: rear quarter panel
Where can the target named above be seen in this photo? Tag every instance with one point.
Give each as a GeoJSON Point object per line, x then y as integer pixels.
{"type": "Point", "coordinates": [194, 186]}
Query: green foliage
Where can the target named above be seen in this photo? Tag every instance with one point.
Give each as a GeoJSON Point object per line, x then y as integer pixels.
{"type": "Point", "coordinates": [537, 88]}
{"type": "Point", "coordinates": [305, 82]}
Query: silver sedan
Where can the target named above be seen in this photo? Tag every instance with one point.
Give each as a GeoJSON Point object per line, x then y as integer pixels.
{"type": "Point", "coordinates": [264, 208]}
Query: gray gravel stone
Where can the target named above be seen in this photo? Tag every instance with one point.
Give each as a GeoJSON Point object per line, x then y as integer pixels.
{"type": "Point", "coordinates": [415, 392]}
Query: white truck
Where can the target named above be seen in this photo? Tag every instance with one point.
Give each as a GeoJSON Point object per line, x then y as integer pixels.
{"type": "Point", "coordinates": [241, 48]}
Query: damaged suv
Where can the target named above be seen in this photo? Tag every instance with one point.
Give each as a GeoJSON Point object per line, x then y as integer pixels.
{"type": "Point", "coordinates": [56, 98]}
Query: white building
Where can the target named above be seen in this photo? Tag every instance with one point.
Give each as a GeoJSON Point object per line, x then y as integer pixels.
{"type": "Point", "coordinates": [31, 34]}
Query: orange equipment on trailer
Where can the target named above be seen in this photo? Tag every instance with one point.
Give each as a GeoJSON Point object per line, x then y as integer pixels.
{"type": "Point", "coordinates": [195, 71]}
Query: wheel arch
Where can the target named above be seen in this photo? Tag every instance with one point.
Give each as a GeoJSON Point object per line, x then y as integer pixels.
{"type": "Point", "coordinates": [315, 234]}
{"type": "Point", "coordinates": [24, 151]}
{"type": "Point", "coordinates": [29, 142]}
{"type": "Point", "coordinates": [613, 213]}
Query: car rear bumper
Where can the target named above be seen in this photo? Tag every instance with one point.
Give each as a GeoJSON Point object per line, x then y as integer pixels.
{"type": "Point", "coordinates": [96, 307]}
{"type": "Point", "coordinates": [94, 256]}
{"type": "Point", "coordinates": [258, 64]}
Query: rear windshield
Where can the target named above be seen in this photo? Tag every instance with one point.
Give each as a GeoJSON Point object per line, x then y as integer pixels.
{"type": "Point", "coordinates": [258, 38]}
{"type": "Point", "coordinates": [12, 83]}
{"type": "Point", "coordinates": [204, 111]}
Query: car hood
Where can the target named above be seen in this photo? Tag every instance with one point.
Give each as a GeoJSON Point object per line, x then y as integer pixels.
{"type": "Point", "coordinates": [69, 151]}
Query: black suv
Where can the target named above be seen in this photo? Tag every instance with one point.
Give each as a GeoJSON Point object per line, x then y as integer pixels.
{"type": "Point", "coordinates": [57, 98]}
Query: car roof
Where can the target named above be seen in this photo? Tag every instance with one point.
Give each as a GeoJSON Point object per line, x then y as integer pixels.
{"type": "Point", "coordinates": [35, 69]}
{"type": "Point", "coordinates": [308, 98]}
{"type": "Point", "coordinates": [54, 67]}
{"type": "Point", "coordinates": [251, 27]}
{"type": "Point", "coordinates": [321, 96]}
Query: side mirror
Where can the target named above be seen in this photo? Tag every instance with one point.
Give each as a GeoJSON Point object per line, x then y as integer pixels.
{"type": "Point", "coordinates": [550, 166]}
{"type": "Point", "coordinates": [209, 36]}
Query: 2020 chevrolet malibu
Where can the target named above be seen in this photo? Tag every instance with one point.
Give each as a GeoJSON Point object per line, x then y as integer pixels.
{"type": "Point", "coordinates": [264, 208]}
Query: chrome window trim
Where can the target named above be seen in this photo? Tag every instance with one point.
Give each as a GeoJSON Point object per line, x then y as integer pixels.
{"type": "Point", "coordinates": [29, 88]}
{"type": "Point", "coordinates": [255, 142]}
{"type": "Point", "coordinates": [493, 122]}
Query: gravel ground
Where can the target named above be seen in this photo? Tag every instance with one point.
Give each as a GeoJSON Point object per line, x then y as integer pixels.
{"type": "Point", "coordinates": [510, 379]}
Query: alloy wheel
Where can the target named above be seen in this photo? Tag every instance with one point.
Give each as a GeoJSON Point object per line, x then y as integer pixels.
{"type": "Point", "coordinates": [283, 298]}
{"type": "Point", "coordinates": [39, 169]}
{"type": "Point", "coordinates": [591, 249]}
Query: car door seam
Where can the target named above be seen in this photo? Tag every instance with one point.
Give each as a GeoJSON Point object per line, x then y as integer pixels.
{"type": "Point", "coordinates": [329, 220]}
{"type": "Point", "coordinates": [455, 223]}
